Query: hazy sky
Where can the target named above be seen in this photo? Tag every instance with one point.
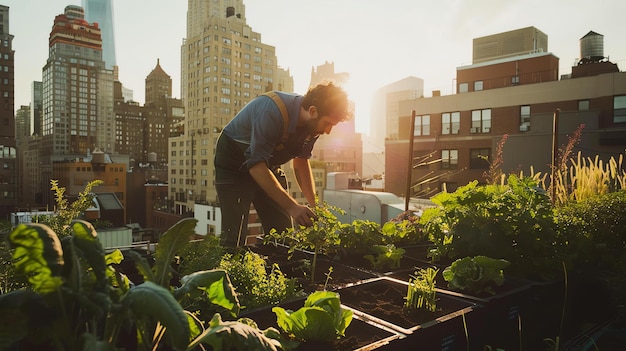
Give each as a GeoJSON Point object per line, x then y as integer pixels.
{"type": "Point", "coordinates": [377, 42]}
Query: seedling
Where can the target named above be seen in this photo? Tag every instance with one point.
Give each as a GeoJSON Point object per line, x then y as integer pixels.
{"type": "Point", "coordinates": [421, 291]}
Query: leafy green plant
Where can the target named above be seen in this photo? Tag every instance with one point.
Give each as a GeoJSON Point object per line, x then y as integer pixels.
{"type": "Point", "coordinates": [70, 284]}
{"type": "Point", "coordinates": [476, 274]}
{"type": "Point", "coordinates": [595, 231]}
{"type": "Point", "coordinates": [240, 335]}
{"type": "Point", "coordinates": [358, 237]}
{"type": "Point", "coordinates": [199, 255]}
{"type": "Point", "coordinates": [387, 256]}
{"type": "Point", "coordinates": [65, 212]}
{"type": "Point", "coordinates": [256, 285]}
{"type": "Point", "coordinates": [320, 319]}
{"type": "Point", "coordinates": [322, 237]}
{"type": "Point", "coordinates": [421, 291]}
{"type": "Point", "coordinates": [403, 229]}
{"type": "Point", "coordinates": [78, 301]}
{"type": "Point", "coordinates": [514, 221]}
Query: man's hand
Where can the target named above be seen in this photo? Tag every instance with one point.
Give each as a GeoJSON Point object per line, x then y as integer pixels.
{"type": "Point", "coordinates": [302, 215]}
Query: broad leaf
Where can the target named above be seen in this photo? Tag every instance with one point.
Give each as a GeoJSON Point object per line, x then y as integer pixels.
{"type": "Point", "coordinates": [215, 284]}
{"type": "Point", "coordinates": [236, 336]}
{"type": "Point", "coordinates": [320, 319]}
{"type": "Point", "coordinates": [38, 255]}
{"type": "Point", "coordinates": [142, 265]}
{"type": "Point", "coordinates": [86, 239]}
{"type": "Point", "coordinates": [152, 301]}
{"type": "Point", "coordinates": [170, 243]}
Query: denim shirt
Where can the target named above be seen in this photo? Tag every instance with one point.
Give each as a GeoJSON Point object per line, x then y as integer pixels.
{"type": "Point", "coordinates": [255, 132]}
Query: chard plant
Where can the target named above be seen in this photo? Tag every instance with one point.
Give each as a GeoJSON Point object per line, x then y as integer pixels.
{"type": "Point", "coordinates": [421, 292]}
{"type": "Point", "coordinates": [84, 303]}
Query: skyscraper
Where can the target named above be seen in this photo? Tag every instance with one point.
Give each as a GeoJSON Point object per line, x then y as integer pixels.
{"type": "Point", "coordinates": [36, 98]}
{"type": "Point", "coordinates": [101, 12]}
{"type": "Point", "coordinates": [8, 173]}
{"type": "Point", "coordinates": [224, 66]}
{"type": "Point", "coordinates": [77, 89]}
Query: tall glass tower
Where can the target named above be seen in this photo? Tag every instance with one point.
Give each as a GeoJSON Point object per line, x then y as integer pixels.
{"type": "Point", "coordinates": [101, 12]}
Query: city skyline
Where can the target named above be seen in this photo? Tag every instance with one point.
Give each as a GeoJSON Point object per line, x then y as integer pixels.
{"type": "Point", "coordinates": [376, 43]}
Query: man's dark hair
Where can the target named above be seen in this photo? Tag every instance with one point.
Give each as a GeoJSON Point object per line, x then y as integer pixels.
{"type": "Point", "coordinates": [328, 98]}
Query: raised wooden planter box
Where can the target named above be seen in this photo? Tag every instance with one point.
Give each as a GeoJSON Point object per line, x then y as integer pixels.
{"type": "Point", "coordinates": [361, 334]}
{"type": "Point", "coordinates": [380, 300]}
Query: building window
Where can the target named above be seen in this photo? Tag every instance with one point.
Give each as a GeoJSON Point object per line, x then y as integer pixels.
{"type": "Point", "coordinates": [463, 87]}
{"type": "Point", "coordinates": [515, 80]}
{"type": "Point", "coordinates": [619, 109]}
{"type": "Point", "coordinates": [480, 158]}
{"type": "Point", "coordinates": [449, 159]}
{"type": "Point", "coordinates": [450, 122]}
{"type": "Point", "coordinates": [422, 125]}
{"type": "Point", "coordinates": [524, 118]}
{"type": "Point", "coordinates": [583, 105]}
{"type": "Point", "coordinates": [478, 85]}
{"type": "Point", "coordinates": [481, 121]}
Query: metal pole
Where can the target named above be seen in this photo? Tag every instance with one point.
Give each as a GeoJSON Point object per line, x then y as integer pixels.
{"type": "Point", "coordinates": [407, 194]}
{"type": "Point", "coordinates": [555, 152]}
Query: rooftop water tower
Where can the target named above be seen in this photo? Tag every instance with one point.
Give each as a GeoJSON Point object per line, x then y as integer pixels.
{"type": "Point", "coordinates": [592, 47]}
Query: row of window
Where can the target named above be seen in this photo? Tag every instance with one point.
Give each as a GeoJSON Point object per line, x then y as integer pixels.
{"type": "Point", "coordinates": [111, 169]}
{"type": "Point", "coordinates": [481, 119]}
{"type": "Point", "coordinates": [464, 87]}
{"type": "Point", "coordinates": [451, 123]}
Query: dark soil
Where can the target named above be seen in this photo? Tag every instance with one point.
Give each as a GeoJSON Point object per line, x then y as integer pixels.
{"type": "Point", "coordinates": [494, 320]}
{"type": "Point", "coordinates": [384, 299]}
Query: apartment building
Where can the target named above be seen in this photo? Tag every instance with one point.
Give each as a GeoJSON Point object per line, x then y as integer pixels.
{"type": "Point", "coordinates": [8, 152]}
{"type": "Point", "coordinates": [225, 64]}
{"type": "Point", "coordinates": [517, 96]}
{"type": "Point", "coordinates": [73, 175]}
